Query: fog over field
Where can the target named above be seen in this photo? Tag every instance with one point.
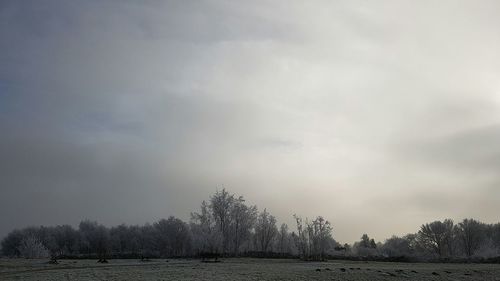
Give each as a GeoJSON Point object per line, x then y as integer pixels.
{"type": "Point", "coordinates": [378, 115]}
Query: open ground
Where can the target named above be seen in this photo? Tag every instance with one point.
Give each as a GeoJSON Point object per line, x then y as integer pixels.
{"type": "Point", "coordinates": [241, 269]}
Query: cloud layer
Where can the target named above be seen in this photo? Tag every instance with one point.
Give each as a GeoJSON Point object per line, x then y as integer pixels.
{"type": "Point", "coordinates": [378, 116]}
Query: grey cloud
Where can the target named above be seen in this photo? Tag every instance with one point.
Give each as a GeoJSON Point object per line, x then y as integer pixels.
{"type": "Point", "coordinates": [473, 149]}
{"type": "Point", "coordinates": [129, 111]}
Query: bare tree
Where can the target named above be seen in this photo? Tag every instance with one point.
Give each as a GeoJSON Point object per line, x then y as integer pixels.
{"type": "Point", "coordinates": [437, 237]}
{"type": "Point", "coordinates": [301, 238]}
{"type": "Point", "coordinates": [225, 224]}
{"type": "Point", "coordinates": [494, 235]}
{"type": "Point", "coordinates": [10, 243]}
{"type": "Point", "coordinates": [471, 234]}
{"type": "Point", "coordinates": [95, 238]}
{"type": "Point", "coordinates": [265, 230]}
{"type": "Point", "coordinates": [314, 238]}
{"type": "Point", "coordinates": [31, 247]}
{"type": "Point", "coordinates": [60, 240]}
{"type": "Point", "coordinates": [125, 240]}
{"type": "Point", "coordinates": [243, 220]}
{"type": "Point", "coordinates": [320, 233]}
{"type": "Point", "coordinates": [221, 204]}
{"type": "Point", "coordinates": [283, 239]}
{"type": "Point", "coordinates": [398, 247]}
{"type": "Point", "coordinates": [173, 237]}
{"type": "Point", "coordinates": [205, 233]}
{"type": "Point", "coordinates": [147, 245]}
{"type": "Point", "coordinates": [365, 241]}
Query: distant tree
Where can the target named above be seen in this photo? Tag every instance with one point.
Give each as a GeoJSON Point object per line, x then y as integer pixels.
{"type": "Point", "coordinates": [11, 243]}
{"type": "Point", "coordinates": [221, 204]}
{"type": "Point", "coordinates": [320, 234]}
{"type": "Point", "coordinates": [173, 237]}
{"type": "Point", "coordinates": [301, 239]}
{"type": "Point", "coordinates": [366, 246]}
{"type": "Point", "coordinates": [224, 224]}
{"type": "Point", "coordinates": [437, 237]}
{"type": "Point", "coordinates": [205, 231]}
{"type": "Point", "coordinates": [265, 231]}
{"type": "Point", "coordinates": [125, 240]}
{"type": "Point", "coordinates": [494, 235]}
{"type": "Point", "coordinates": [31, 247]}
{"type": "Point", "coordinates": [133, 240]}
{"type": "Point", "coordinates": [147, 242]}
{"type": "Point", "coordinates": [95, 239]}
{"type": "Point", "coordinates": [243, 219]}
{"type": "Point", "coordinates": [365, 241]}
{"type": "Point", "coordinates": [102, 243]}
{"type": "Point", "coordinates": [347, 248]}
{"type": "Point", "coordinates": [66, 239]}
{"type": "Point", "coordinates": [397, 247]}
{"type": "Point", "coordinates": [471, 235]}
{"type": "Point", "coordinates": [283, 239]}
{"type": "Point", "coordinates": [314, 238]}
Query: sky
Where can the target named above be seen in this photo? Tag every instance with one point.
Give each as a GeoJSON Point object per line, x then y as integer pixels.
{"type": "Point", "coordinates": [377, 115]}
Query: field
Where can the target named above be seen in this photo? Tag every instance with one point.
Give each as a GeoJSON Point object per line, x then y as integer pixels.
{"type": "Point", "coordinates": [241, 269]}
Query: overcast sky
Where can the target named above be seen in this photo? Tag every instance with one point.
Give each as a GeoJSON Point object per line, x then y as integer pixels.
{"type": "Point", "coordinates": [378, 115]}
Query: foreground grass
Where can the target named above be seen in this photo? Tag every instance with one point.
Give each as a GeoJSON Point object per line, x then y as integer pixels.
{"type": "Point", "coordinates": [241, 269]}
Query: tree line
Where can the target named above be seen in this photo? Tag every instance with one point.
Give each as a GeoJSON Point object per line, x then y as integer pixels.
{"type": "Point", "coordinates": [226, 225]}
{"type": "Point", "coordinates": [468, 240]}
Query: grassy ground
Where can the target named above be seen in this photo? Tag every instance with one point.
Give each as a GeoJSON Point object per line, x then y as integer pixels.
{"type": "Point", "coordinates": [241, 269]}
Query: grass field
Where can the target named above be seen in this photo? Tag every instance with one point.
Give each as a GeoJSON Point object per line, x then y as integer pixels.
{"type": "Point", "coordinates": [241, 269]}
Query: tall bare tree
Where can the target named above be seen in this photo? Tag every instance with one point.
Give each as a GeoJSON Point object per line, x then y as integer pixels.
{"type": "Point", "coordinates": [471, 234]}
{"type": "Point", "coordinates": [301, 238]}
{"type": "Point", "coordinates": [205, 232]}
{"type": "Point", "coordinates": [314, 237]}
{"type": "Point", "coordinates": [243, 219]}
{"type": "Point", "coordinates": [283, 239]}
{"type": "Point", "coordinates": [320, 232]}
{"type": "Point", "coordinates": [31, 247]}
{"type": "Point", "coordinates": [265, 230]}
{"type": "Point", "coordinates": [437, 237]}
{"type": "Point", "coordinates": [221, 204]}
{"type": "Point", "coordinates": [173, 237]}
